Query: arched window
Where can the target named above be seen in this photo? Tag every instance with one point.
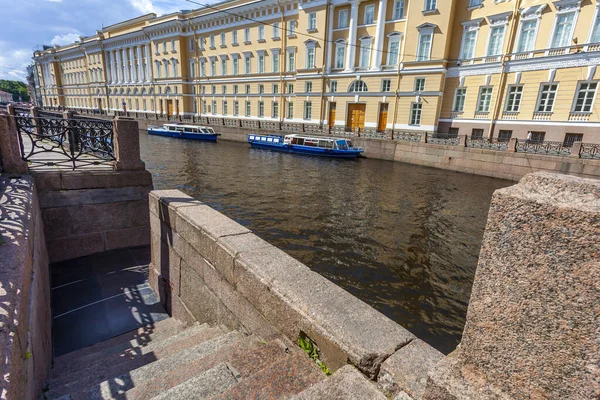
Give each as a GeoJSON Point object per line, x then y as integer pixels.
{"type": "Point", "coordinates": [358, 86]}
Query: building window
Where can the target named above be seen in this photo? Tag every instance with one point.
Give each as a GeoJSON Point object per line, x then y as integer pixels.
{"type": "Point", "coordinates": [343, 19]}
{"type": "Point", "coordinates": [584, 99]}
{"type": "Point", "coordinates": [513, 100]}
{"type": "Point", "coordinates": [202, 68]}
{"type": "Point", "coordinates": [213, 67]}
{"type": "Point", "coordinates": [275, 58]}
{"type": "Point", "coordinates": [415, 113]}
{"type": "Point", "coordinates": [563, 28]}
{"type": "Point", "coordinates": [308, 87]}
{"type": "Point", "coordinates": [247, 35]}
{"type": "Point", "coordinates": [290, 110]}
{"type": "Point", "coordinates": [546, 98]}
{"type": "Point", "coordinates": [424, 48]}
{"type": "Point", "coordinates": [247, 68]}
{"type": "Point", "coordinates": [430, 5]}
{"type": "Point", "coordinates": [365, 52]}
{"type": "Point", "coordinates": [290, 88]}
{"type": "Point", "coordinates": [223, 40]}
{"type": "Point", "coordinates": [276, 30]}
{"type": "Point", "coordinates": [164, 47]}
{"type": "Point", "coordinates": [223, 67]}
{"type": "Point", "coordinates": [166, 65]}
{"type": "Point", "coordinates": [485, 98]}
{"type": "Point", "coordinates": [307, 109]}
{"type": "Point", "coordinates": [191, 44]}
{"type": "Point", "coordinates": [236, 108]}
{"type": "Point", "coordinates": [292, 28]}
{"type": "Point", "coordinates": [386, 85]}
{"type": "Point", "coordinates": [192, 69]}
{"type": "Point", "coordinates": [333, 86]}
{"type": "Point", "coordinates": [247, 89]}
{"type": "Point", "coordinates": [310, 57]}
{"type": "Point", "coordinates": [201, 43]}
{"type": "Point", "coordinates": [261, 63]}
{"type": "Point", "coordinates": [399, 9]}
{"type": "Point", "coordinates": [369, 14]}
{"type": "Point", "coordinates": [261, 89]}
{"type": "Point", "coordinates": [496, 40]}
{"type": "Point", "coordinates": [393, 49]}
{"type": "Point", "coordinates": [261, 32]}
{"type": "Point", "coordinates": [212, 41]}
{"type": "Point", "coordinates": [224, 107]}
{"type": "Point", "coordinates": [536, 137]}
{"type": "Point", "coordinates": [453, 132]}
{"type": "Point", "coordinates": [275, 113]}
{"type": "Point", "coordinates": [291, 61]}
{"type": "Point", "coordinates": [477, 133]}
{"type": "Point", "coordinates": [236, 68]}
{"type": "Point", "coordinates": [527, 36]}
{"type": "Point", "coordinates": [173, 45]}
{"type": "Point", "coordinates": [214, 107]}
{"type": "Point", "coordinates": [358, 86]}
{"type": "Point", "coordinates": [275, 88]}
{"type": "Point", "coordinates": [234, 37]}
{"type": "Point", "coordinates": [213, 89]}
{"type": "Point", "coordinates": [248, 109]}
{"type": "Point", "coordinates": [468, 44]}
{"type": "Point", "coordinates": [224, 89]}
{"type": "Point", "coordinates": [312, 21]}
{"type": "Point", "coordinates": [340, 54]}
{"type": "Point", "coordinates": [459, 100]}
{"type": "Point", "coordinates": [261, 109]}
{"type": "Point", "coordinates": [504, 136]}
{"type": "Point", "coordinates": [476, 3]}
{"type": "Point", "coordinates": [595, 38]}
{"type": "Point", "coordinates": [571, 138]}
{"type": "Point", "coordinates": [419, 84]}
{"type": "Point", "coordinates": [235, 89]}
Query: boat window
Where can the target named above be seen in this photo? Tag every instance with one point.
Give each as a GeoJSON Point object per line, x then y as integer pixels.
{"type": "Point", "coordinates": [172, 128]}
{"type": "Point", "coordinates": [341, 144]}
{"type": "Point", "coordinates": [269, 139]}
{"type": "Point", "coordinates": [276, 140]}
{"type": "Point", "coordinates": [263, 139]}
{"type": "Point", "coordinates": [210, 130]}
{"type": "Point", "coordinates": [251, 137]}
{"type": "Point", "coordinates": [188, 130]}
{"type": "Point", "coordinates": [349, 143]}
{"type": "Point", "coordinates": [311, 142]}
{"type": "Point", "coordinates": [178, 129]}
{"type": "Point", "coordinates": [300, 142]}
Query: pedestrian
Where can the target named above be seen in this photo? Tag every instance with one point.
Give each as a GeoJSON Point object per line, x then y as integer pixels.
{"type": "Point", "coordinates": [528, 140]}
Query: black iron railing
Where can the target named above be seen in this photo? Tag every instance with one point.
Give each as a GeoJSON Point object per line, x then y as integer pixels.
{"type": "Point", "coordinates": [441, 138]}
{"type": "Point", "coordinates": [589, 150]}
{"type": "Point", "coordinates": [545, 147]}
{"type": "Point", "coordinates": [72, 143]}
{"type": "Point", "coordinates": [487, 143]}
{"type": "Point", "coordinates": [408, 136]}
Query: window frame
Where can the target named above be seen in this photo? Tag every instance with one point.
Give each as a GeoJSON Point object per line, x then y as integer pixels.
{"type": "Point", "coordinates": [416, 109]}
{"type": "Point", "coordinates": [539, 100]}
{"type": "Point", "coordinates": [507, 100]}
{"type": "Point", "coordinates": [345, 19]}
{"type": "Point", "coordinates": [480, 98]}
{"type": "Point", "coordinates": [402, 7]}
{"type": "Point", "coordinates": [367, 13]}
{"type": "Point", "coordinates": [578, 91]}
{"type": "Point", "coordinates": [456, 103]}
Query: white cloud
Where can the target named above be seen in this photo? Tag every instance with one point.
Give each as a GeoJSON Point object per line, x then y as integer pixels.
{"type": "Point", "coordinates": [162, 7]}
{"type": "Point", "coordinates": [13, 61]}
{"type": "Point", "coordinates": [55, 1]}
{"type": "Point", "coordinates": [143, 6]}
{"type": "Point", "coordinates": [65, 39]}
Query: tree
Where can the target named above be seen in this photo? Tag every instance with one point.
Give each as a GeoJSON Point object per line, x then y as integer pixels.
{"type": "Point", "coordinates": [16, 88]}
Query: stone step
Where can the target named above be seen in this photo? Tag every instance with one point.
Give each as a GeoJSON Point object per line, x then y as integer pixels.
{"type": "Point", "coordinates": [166, 327]}
{"type": "Point", "coordinates": [247, 356]}
{"type": "Point", "coordinates": [278, 380]}
{"type": "Point", "coordinates": [105, 369]}
{"type": "Point", "coordinates": [204, 386]}
{"type": "Point", "coordinates": [347, 383]}
{"type": "Point", "coordinates": [125, 350]}
{"type": "Point", "coordinates": [117, 385]}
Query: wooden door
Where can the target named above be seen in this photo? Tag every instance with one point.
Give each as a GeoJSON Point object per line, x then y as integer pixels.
{"type": "Point", "coordinates": [383, 115]}
{"type": "Point", "coordinates": [170, 107]}
{"type": "Point", "coordinates": [356, 116]}
{"type": "Point", "coordinates": [332, 108]}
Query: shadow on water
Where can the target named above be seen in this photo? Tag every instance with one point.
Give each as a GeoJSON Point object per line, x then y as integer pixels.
{"type": "Point", "coordinates": [403, 238]}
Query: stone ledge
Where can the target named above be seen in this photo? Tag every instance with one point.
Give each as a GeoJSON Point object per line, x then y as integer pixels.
{"type": "Point", "coordinates": [77, 180]}
{"type": "Point", "coordinates": [66, 198]}
{"type": "Point", "coordinates": [346, 383]}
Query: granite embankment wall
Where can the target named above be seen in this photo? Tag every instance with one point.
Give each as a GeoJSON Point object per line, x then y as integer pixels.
{"type": "Point", "coordinates": [497, 164]}
{"type": "Point", "coordinates": [208, 268]}
{"type": "Point", "coordinates": [25, 322]}
{"type": "Point", "coordinates": [88, 212]}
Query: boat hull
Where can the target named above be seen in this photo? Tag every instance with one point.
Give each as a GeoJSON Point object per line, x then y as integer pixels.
{"type": "Point", "coordinates": [306, 150]}
{"type": "Point", "coordinates": [184, 135]}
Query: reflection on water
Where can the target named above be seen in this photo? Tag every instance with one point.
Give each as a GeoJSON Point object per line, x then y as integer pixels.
{"type": "Point", "coordinates": [401, 237]}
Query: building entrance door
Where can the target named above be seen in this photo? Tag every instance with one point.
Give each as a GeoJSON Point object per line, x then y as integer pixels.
{"type": "Point", "coordinates": [170, 107]}
{"type": "Point", "coordinates": [100, 104]}
{"type": "Point", "coordinates": [383, 116]}
{"type": "Point", "coordinates": [332, 108]}
{"type": "Point", "coordinates": [356, 116]}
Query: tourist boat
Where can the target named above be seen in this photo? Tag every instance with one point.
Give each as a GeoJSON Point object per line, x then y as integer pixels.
{"type": "Point", "coordinates": [300, 144]}
{"type": "Point", "coordinates": [185, 131]}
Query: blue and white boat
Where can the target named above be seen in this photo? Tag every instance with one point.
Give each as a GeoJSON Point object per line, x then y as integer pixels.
{"type": "Point", "coordinates": [310, 145]}
{"type": "Point", "coordinates": [185, 131]}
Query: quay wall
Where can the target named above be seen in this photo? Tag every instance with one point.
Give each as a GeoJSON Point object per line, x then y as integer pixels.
{"type": "Point", "coordinates": [207, 268]}
{"type": "Point", "coordinates": [25, 318]}
{"type": "Point", "coordinates": [494, 163]}
{"type": "Point", "coordinates": [88, 212]}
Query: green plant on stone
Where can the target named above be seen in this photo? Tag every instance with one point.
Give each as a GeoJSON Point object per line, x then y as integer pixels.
{"type": "Point", "coordinates": [313, 352]}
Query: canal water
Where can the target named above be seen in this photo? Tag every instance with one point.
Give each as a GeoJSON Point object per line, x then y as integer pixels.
{"type": "Point", "coordinates": [403, 238]}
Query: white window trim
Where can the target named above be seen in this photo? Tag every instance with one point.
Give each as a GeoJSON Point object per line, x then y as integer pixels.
{"type": "Point", "coordinates": [479, 98]}
{"type": "Point", "coordinates": [469, 26]}
{"type": "Point", "coordinates": [425, 29]}
{"type": "Point", "coordinates": [539, 98]}
{"type": "Point", "coordinates": [455, 97]}
{"type": "Point", "coordinates": [564, 7]}
{"type": "Point", "coordinates": [508, 95]}
{"type": "Point", "coordinates": [496, 21]}
{"type": "Point", "coordinates": [369, 41]}
{"type": "Point", "coordinates": [393, 37]}
{"type": "Point", "coordinates": [577, 95]}
{"type": "Point", "coordinates": [365, 15]}
{"type": "Point", "coordinates": [339, 19]}
{"type": "Point", "coordinates": [340, 43]}
{"type": "Point", "coordinates": [529, 14]}
{"type": "Point", "coordinates": [596, 16]}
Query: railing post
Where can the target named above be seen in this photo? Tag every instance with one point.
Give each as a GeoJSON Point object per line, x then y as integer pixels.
{"type": "Point", "coordinates": [576, 150]}
{"type": "Point", "coordinates": [10, 109]}
{"type": "Point", "coordinates": [127, 144]}
{"type": "Point", "coordinates": [462, 140]}
{"type": "Point", "coordinates": [10, 150]}
{"type": "Point", "coordinates": [35, 114]}
{"type": "Point", "coordinates": [512, 145]}
{"type": "Point", "coordinates": [424, 137]}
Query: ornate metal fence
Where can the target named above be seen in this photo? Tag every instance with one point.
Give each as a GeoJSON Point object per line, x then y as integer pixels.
{"type": "Point", "coordinates": [589, 150]}
{"type": "Point", "coordinates": [487, 143]}
{"type": "Point", "coordinates": [438, 138]}
{"type": "Point", "coordinates": [408, 136]}
{"type": "Point", "coordinates": [73, 143]}
{"type": "Point", "coordinates": [550, 148]}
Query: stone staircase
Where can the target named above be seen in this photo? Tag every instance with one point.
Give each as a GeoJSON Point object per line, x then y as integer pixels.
{"type": "Point", "coordinates": [172, 361]}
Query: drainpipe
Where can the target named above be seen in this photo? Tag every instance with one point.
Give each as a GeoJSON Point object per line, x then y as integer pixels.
{"type": "Point", "coordinates": [281, 68]}
{"type": "Point", "coordinates": [196, 67]}
{"type": "Point", "coordinates": [324, 61]}
{"type": "Point", "coordinates": [502, 83]}
{"type": "Point", "coordinates": [400, 67]}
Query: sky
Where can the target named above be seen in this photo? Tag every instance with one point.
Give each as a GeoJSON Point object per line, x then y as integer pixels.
{"type": "Point", "coordinates": [28, 24]}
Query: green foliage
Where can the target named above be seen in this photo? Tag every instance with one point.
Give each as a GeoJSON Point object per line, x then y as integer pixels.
{"type": "Point", "coordinates": [313, 352]}
{"type": "Point", "coordinates": [16, 88]}
{"type": "Point", "coordinates": [28, 355]}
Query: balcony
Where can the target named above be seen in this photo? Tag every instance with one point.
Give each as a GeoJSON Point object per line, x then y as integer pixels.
{"type": "Point", "coordinates": [579, 117]}
{"type": "Point", "coordinates": [482, 115]}
{"type": "Point", "coordinates": [510, 115]}
{"type": "Point", "coordinates": [542, 116]}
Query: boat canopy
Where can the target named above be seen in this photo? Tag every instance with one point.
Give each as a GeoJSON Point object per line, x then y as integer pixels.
{"type": "Point", "coordinates": [324, 143]}
{"type": "Point", "coordinates": [188, 128]}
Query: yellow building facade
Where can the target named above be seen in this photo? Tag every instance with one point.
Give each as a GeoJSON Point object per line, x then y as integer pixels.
{"type": "Point", "coordinates": [482, 68]}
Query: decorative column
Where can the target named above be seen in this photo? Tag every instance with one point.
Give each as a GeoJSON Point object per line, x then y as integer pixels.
{"type": "Point", "coordinates": [133, 66]}
{"type": "Point", "coordinates": [379, 35]}
{"type": "Point", "coordinates": [148, 66]}
{"type": "Point", "coordinates": [10, 150]}
{"type": "Point", "coordinates": [127, 145]}
{"type": "Point", "coordinates": [119, 64]}
{"type": "Point", "coordinates": [330, 43]}
{"type": "Point", "coordinates": [351, 56]}
{"type": "Point", "coordinates": [126, 64]}
{"type": "Point", "coordinates": [140, 66]}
